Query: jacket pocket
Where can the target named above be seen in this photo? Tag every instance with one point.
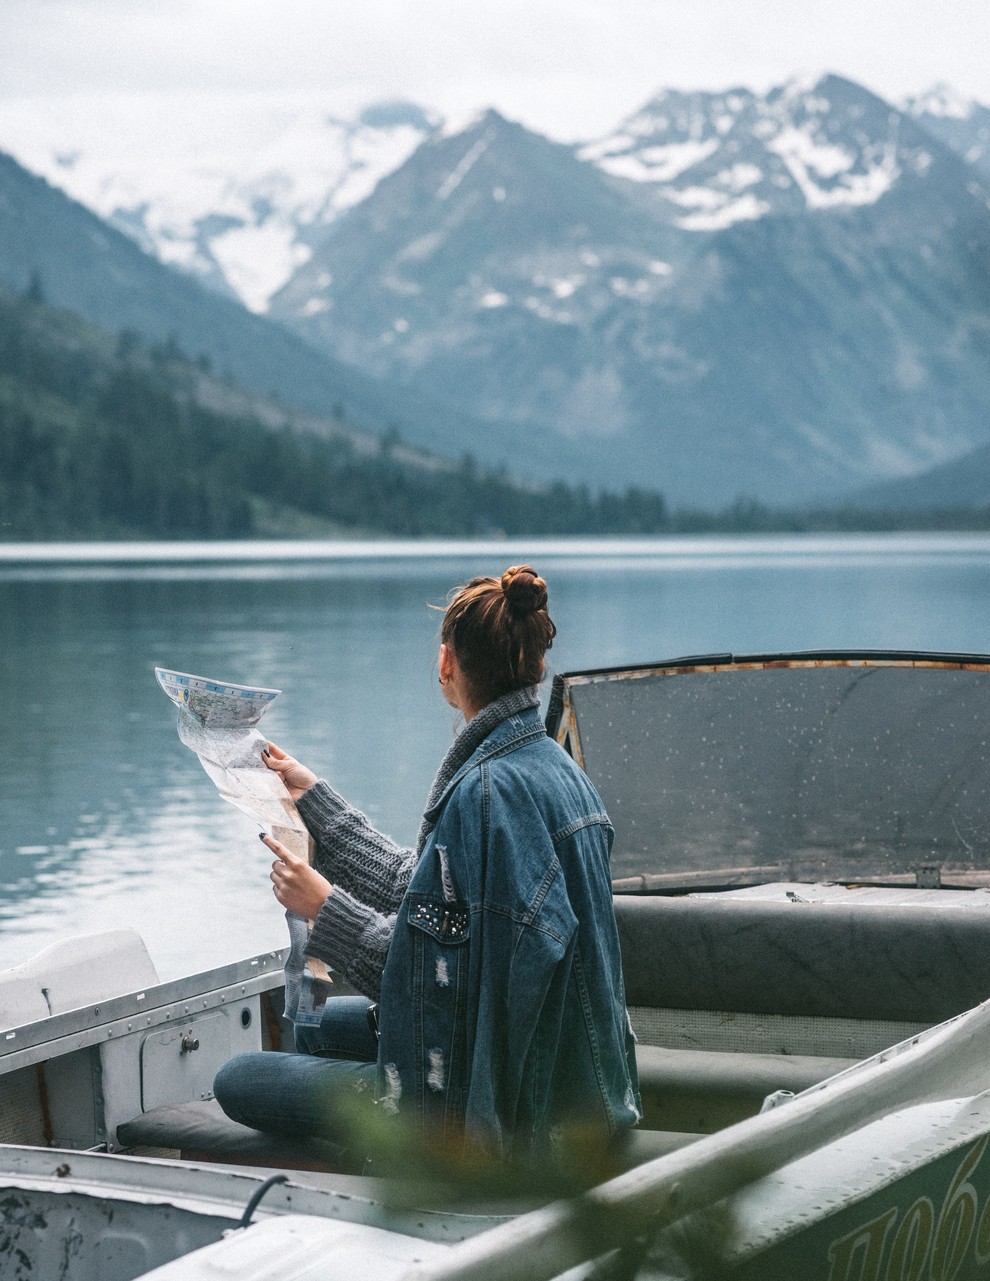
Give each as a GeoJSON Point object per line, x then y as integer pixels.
{"type": "Point", "coordinates": [448, 923]}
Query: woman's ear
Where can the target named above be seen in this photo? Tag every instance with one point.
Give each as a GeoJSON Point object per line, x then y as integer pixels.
{"type": "Point", "coordinates": [445, 664]}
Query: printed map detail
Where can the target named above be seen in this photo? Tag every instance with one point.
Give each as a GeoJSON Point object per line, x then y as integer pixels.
{"type": "Point", "coordinates": [216, 721]}
{"type": "Point", "coordinates": [216, 704]}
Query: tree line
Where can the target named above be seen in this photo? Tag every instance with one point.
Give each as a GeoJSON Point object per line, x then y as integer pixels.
{"type": "Point", "coordinates": [102, 438]}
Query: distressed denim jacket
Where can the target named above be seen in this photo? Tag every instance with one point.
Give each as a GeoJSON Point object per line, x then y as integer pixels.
{"type": "Point", "coordinates": [503, 1016]}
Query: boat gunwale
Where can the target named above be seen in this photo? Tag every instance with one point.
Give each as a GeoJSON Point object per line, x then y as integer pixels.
{"type": "Point", "coordinates": [153, 1005]}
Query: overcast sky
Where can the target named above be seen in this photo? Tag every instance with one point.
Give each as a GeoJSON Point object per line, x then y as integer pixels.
{"type": "Point", "coordinates": [570, 68]}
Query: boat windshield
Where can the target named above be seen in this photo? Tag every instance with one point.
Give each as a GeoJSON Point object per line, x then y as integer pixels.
{"type": "Point", "coordinates": [734, 771]}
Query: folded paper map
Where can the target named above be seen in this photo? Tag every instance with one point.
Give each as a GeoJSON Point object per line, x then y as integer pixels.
{"type": "Point", "coordinates": [217, 721]}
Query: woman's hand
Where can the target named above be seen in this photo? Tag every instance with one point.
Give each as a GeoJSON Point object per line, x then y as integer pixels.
{"type": "Point", "coordinates": [297, 778]}
{"type": "Point", "coordinates": [297, 886]}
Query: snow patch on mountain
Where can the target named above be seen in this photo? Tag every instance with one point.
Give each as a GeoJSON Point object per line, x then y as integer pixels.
{"type": "Point", "coordinates": [257, 260]}
{"type": "Point", "coordinates": [940, 101]}
{"type": "Point", "coordinates": [463, 167]}
{"type": "Point", "coordinates": [812, 163]}
{"type": "Point", "coordinates": [724, 214]}
{"type": "Point", "coordinates": [957, 122]}
{"type": "Point", "coordinates": [231, 191]}
{"type": "Point", "coordinates": [737, 156]}
{"type": "Point", "coordinates": [650, 164]}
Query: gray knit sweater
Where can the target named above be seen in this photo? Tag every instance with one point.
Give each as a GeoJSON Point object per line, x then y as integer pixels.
{"type": "Point", "coordinates": [368, 870]}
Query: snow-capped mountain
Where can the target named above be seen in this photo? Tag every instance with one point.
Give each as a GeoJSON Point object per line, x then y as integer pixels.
{"type": "Point", "coordinates": [720, 158]}
{"type": "Point", "coordinates": [959, 122]}
{"type": "Point", "coordinates": [236, 203]}
{"type": "Point", "coordinates": [51, 243]}
{"type": "Point", "coordinates": [781, 296]}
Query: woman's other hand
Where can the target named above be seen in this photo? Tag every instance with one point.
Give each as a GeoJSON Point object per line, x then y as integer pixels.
{"type": "Point", "coordinates": [297, 778]}
{"type": "Point", "coordinates": [297, 886]}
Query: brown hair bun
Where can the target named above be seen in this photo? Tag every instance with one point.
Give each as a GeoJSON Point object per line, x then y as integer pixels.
{"type": "Point", "coordinates": [524, 590]}
{"type": "Point", "coordinates": [499, 630]}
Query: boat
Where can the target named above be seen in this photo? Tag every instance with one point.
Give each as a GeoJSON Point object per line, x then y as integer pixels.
{"type": "Point", "coordinates": [802, 888]}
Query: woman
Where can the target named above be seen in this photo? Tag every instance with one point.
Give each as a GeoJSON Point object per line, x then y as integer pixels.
{"type": "Point", "coordinates": [491, 950]}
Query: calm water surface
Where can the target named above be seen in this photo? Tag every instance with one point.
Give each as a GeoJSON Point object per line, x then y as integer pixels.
{"type": "Point", "coordinates": [108, 820]}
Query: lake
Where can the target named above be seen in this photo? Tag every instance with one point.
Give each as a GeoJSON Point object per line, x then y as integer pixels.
{"type": "Point", "coordinates": [109, 821]}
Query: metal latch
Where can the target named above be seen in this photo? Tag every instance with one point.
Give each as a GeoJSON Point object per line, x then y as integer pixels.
{"type": "Point", "coordinates": [189, 1043]}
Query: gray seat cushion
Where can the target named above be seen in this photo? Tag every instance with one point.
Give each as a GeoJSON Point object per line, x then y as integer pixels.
{"type": "Point", "coordinates": [922, 963]}
{"type": "Point", "coordinates": [201, 1131]}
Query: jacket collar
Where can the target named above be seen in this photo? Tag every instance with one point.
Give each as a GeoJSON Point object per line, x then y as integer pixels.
{"type": "Point", "coordinates": [517, 729]}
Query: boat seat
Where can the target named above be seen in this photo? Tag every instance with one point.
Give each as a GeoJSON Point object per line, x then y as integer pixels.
{"type": "Point", "coordinates": [684, 1092]}
{"type": "Point", "coordinates": [200, 1131]}
{"type": "Point", "coordinates": [918, 963]}
{"type": "Point", "coordinates": [73, 973]}
{"type": "Point", "coordinates": [704, 1090]}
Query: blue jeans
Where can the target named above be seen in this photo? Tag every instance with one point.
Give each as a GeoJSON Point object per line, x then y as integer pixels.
{"type": "Point", "coordinates": [322, 1091]}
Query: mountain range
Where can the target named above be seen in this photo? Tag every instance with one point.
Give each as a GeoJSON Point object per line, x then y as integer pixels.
{"type": "Point", "coordinates": [783, 295]}
{"type": "Point", "coordinates": [82, 263]}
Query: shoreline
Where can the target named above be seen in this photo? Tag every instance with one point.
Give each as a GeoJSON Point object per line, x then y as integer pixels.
{"type": "Point", "coordinates": [700, 546]}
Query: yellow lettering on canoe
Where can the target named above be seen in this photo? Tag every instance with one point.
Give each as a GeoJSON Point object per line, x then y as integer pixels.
{"type": "Point", "coordinates": [909, 1248]}
{"type": "Point", "coordinates": [863, 1247]}
{"type": "Point", "coordinates": [958, 1218]}
{"type": "Point", "coordinates": [920, 1239]}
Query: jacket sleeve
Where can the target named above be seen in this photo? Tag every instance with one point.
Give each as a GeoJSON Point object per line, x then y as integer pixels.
{"type": "Point", "coordinates": [352, 854]}
{"type": "Point", "coordinates": [352, 939]}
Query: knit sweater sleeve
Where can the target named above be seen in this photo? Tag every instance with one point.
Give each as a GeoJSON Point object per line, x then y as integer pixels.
{"type": "Point", "coordinates": [354, 856]}
{"type": "Point", "coordinates": [353, 939]}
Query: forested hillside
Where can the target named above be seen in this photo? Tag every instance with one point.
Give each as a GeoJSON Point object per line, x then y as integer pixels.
{"type": "Point", "coordinates": [106, 437]}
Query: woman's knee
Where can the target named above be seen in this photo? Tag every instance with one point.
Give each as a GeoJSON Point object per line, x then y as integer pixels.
{"type": "Point", "coordinates": [240, 1083]}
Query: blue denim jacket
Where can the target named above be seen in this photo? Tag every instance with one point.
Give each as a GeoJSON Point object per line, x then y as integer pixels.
{"type": "Point", "coordinates": [503, 1016]}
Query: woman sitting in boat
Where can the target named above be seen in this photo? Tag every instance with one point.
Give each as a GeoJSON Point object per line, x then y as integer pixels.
{"type": "Point", "coordinates": [490, 951]}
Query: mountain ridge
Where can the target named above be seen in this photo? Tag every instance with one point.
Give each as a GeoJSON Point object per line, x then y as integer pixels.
{"type": "Point", "coordinates": [729, 294]}
{"type": "Point", "coordinates": [91, 268]}
{"type": "Point", "coordinates": [804, 353]}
